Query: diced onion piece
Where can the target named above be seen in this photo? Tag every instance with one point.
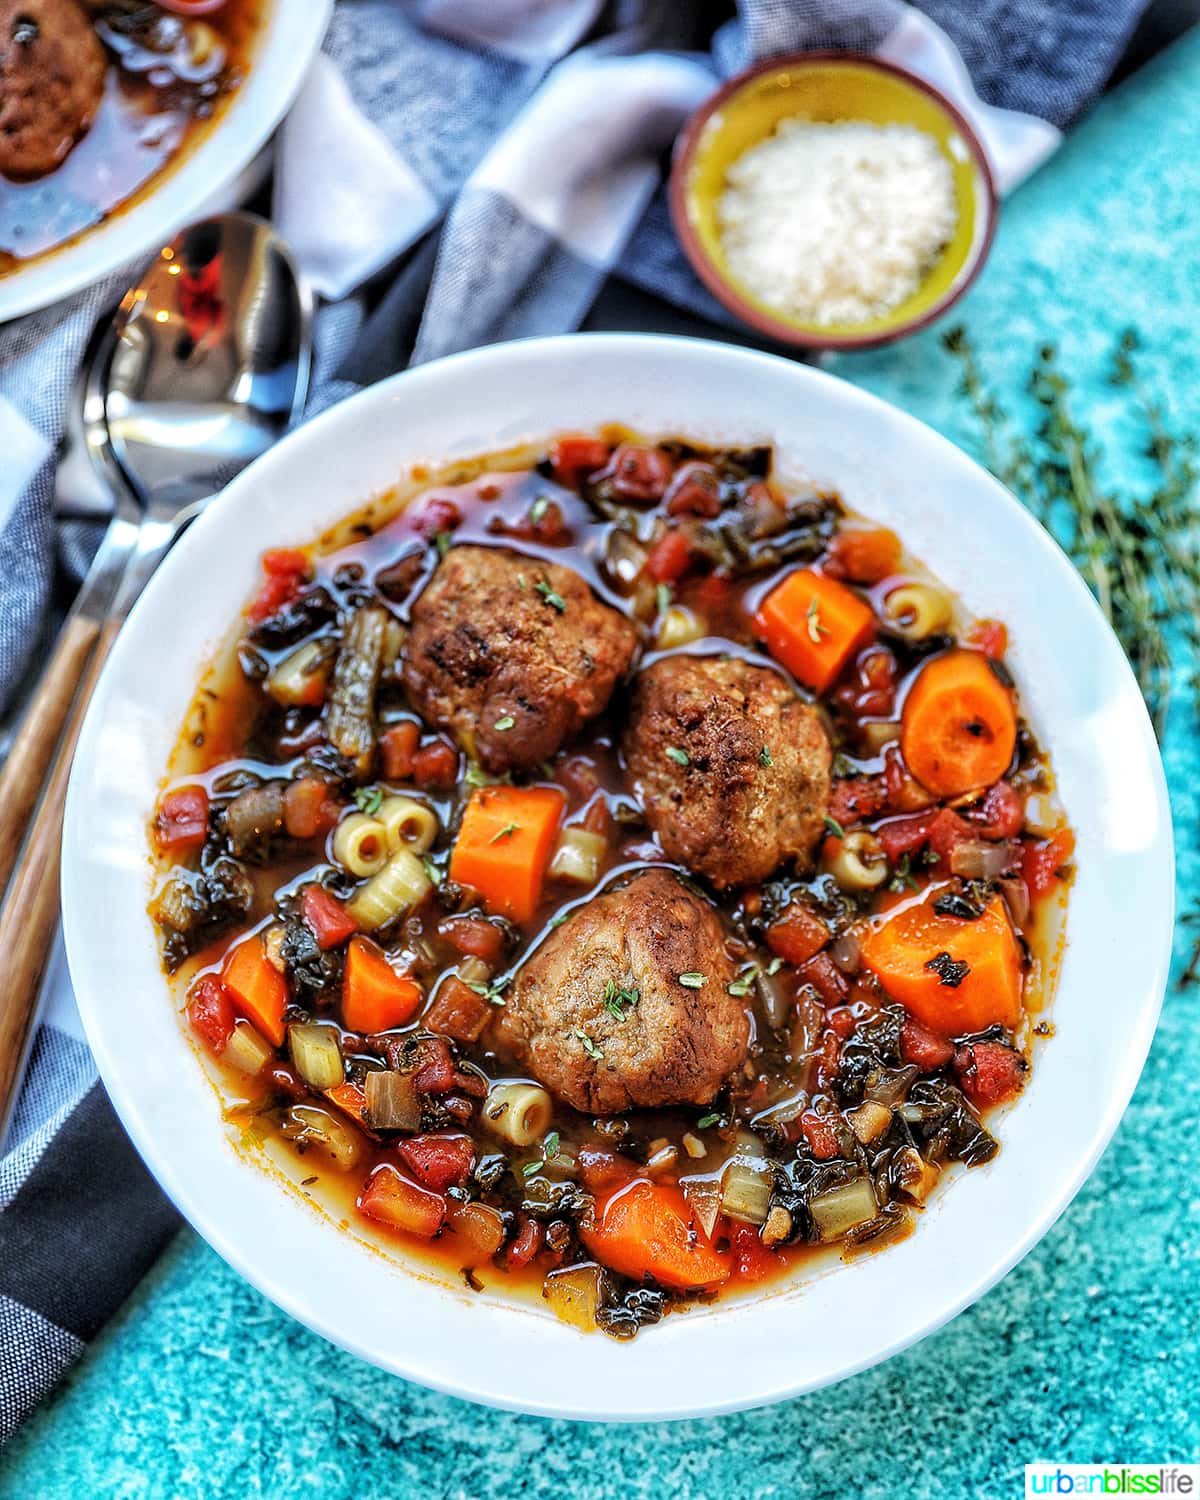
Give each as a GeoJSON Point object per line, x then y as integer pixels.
{"type": "Point", "coordinates": [307, 1125]}
{"type": "Point", "coordinates": [694, 1146]}
{"type": "Point", "coordinates": [399, 886]}
{"type": "Point", "coordinates": [478, 1228]}
{"type": "Point", "coordinates": [678, 626]}
{"type": "Point", "coordinates": [519, 1113]}
{"type": "Point", "coordinates": [301, 678]}
{"type": "Point", "coordinates": [247, 1051]}
{"type": "Point", "coordinates": [391, 1101]}
{"type": "Point", "coordinates": [473, 970]}
{"type": "Point", "coordinates": [838, 1209]}
{"type": "Point", "coordinates": [703, 1196]}
{"type": "Point", "coordinates": [662, 1158]}
{"type": "Point", "coordinates": [408, 824]}
{"type": "Point", "coordinates": [574, 1295]}
{"type": "Point", "coordinates": [778, 1226]}
{"type": "Point", "coordinates": [317, 1055]}
{"type": "Point", "coordinates": [976, 859]}
{"type": "Point", "coordinates": [578, 856]}
{"type": "Point", "coordinates": [746, 1191]}
{"type": "Point", "coordinates": [869, 1121]}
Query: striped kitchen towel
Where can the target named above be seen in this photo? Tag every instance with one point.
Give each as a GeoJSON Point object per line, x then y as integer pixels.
{"type": "Point", "coordinates": [454, 172]}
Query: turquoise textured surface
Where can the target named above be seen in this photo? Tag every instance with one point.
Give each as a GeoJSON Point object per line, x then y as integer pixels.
{"type": "Point", "coordinates": [1087, 1351]}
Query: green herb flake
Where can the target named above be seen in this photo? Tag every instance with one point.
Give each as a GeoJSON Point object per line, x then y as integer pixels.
{"type": "Point", "coordinates": [680, 757]}
{"type": "Point", "coordinates": [539, 508]}
{"type": "Point", "coordinates": [903, 878]}
{"type": "Point", "coordinates": [813, 618]}
{"type": "Point", "coordinates": [550, 1148]}
{"type": "Point", "coordinates": [531, 1167]}
{"type": "Point", "coordinates": [441, 540]}
{"type": "Point", "coordinates": [834, 827]}
{"type": "Point", "coordinates": [505, 723]}
{"type": "Point", "coordinates": [693, 981]}
{"type": "Point", "coordinates": [705, 1121]}
{"type": "Point", "coordinates": [774, 966]}
{"type": "Point", "coordinates": [610, 991]}
{"type": "Point", "coordinates": [764, 757]}
{"type": "Point", "coordinates": [493, 993]}
{"type": "Point", "coordinates": [662, 597]}
{"type": "Point", "coordinates": [504, 833]}
{"type": "Point", "coordinates": [740, 987]}
{"type": "Point", "coordinates": [550, 596]}
{"type": "Point", "coordinates": [559, 918]}
{"type": "Point", "coordinates": [589, 1046]}
{"type": "Point", "coordinates": [435, 875]}
{"type": "Point", "coordinates": [369, 800]}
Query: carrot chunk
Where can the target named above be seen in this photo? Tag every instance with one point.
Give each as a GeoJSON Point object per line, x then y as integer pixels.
{"type": "Point", "coordinates": [374, 997]}
{"type": "Point", "coordinates": [391, 1199]}
{"type": "Point", "coordinates": [647, 1229]}
{"type": "Point", "coordinates": [798, 935]}
{"type": "Point", "coordinates": [351, 1100]}
{"type": "Point", "coordinates": [953, 974]}
{"type": "Point", "coordinates": [504, 846]}
{"type": "Point", "coordinates": [863, 556]}
{"type": "Point", "coordinates": [259, 990]}
{"type": "Point", "coordinates": [813, 624]}
{"type": "Point", "coordinates": [959, 726]}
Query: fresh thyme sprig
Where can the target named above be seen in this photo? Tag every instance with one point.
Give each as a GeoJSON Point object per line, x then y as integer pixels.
{"type": "Point", "coordinates": [1137, 552]}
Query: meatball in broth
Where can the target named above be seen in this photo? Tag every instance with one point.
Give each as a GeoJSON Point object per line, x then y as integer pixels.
{"type": "Point", "coordinates": [627, 1005]}
{"type": "Point", "coordinates": [733, 769]}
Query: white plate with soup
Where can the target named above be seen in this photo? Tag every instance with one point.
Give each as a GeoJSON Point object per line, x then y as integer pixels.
{"type": "Point", "coordinates": [829, 1317]}
{"type": "Point", "coordinates": [167, 103]}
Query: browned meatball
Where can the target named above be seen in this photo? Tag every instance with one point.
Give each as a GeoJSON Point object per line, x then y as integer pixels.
{"type": "Point", "coordinates": [599, 1016]}
{"type": "Point", "coordinates": [732, 768]}
{"type": "Point", "coordinates": [512, 654]}
{"type": "Point", "coordinates": [51, 80]}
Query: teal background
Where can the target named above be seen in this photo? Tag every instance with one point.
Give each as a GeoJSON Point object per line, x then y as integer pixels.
{"type": "Point", "coordinates": [1087, 1351]}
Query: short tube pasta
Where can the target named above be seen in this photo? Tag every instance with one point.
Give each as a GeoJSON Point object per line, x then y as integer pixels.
{"type": "Point", "coordinates": [397, 888]}
{"type": "Point", "coordinates": [360, 844]}
{"type": "Point", "coordinates": [408, 824]}
{"type": "Point", "coordinates": [859, 862]}
{"type": "Point", "coordinates": [918, 610]}
{"type": "Point", "coordinates": [519, 1113]}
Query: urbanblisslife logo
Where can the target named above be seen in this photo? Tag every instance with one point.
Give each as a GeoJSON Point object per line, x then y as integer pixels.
{"type": "Point", "coordinates": [1113, 1479]}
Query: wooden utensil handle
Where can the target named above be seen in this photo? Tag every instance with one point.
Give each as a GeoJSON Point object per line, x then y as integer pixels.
{"type": "Point", "coordinates": [32, 748]}
{"type": "Point", "coordinates": [30, 914]}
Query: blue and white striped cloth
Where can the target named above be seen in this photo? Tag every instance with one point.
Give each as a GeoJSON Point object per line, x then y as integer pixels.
{"type": "Point", "coordinates": [455, 172]}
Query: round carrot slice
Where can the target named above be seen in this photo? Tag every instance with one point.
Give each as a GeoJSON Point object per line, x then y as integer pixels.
{"type": "Point", "coordinates": [959, 727]}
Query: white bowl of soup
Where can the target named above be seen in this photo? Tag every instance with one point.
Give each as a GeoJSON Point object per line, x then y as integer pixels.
{"type": "Point", "coordinates": [603, 966]}
{"type": "Point", "coordinates": [167, 104]}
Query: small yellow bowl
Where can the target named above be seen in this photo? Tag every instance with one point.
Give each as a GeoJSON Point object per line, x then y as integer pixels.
{"type": "Point", "coordinates": [828, 86]}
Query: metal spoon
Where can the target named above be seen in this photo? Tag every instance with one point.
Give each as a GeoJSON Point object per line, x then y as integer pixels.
{"type": "Point", "coordinates": [210, 359]}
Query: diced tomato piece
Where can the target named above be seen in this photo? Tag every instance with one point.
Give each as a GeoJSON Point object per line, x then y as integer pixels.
{"type": "Point", "coordinates": [600, 1171]}
{"type": "Point", "coordinates": [842, 1020]}
{"type": "Point", "coordinates": [458, 1011]}
{"type": "Point", "coordinates": [435, 766]}
{"type": "Point", "coordinates": [286, 571]}
{"type": "Point", "coordinates": [436, 1074]}
{"type": "Point", "coordinates": [695, 490]}
{"type": "Point", "coordinates": [669, 558]}
{"type": "Point", "coordinates": [752, 1260]}
{"type": "Point", "coordinates": [574, 458]}
{"type": "Point", "coordinates": [638, 473]}
{"type": "Point", "coordinates": [210, 1010]}
{"type": "Point", "coordinates": [988, 1072]}
{"type": "Point", "coordinates": [901, 836]}
{"type": "Point", "coordinates": [393, 1200]}
{"type": "Point", "coordinates": [525, 1244]}
{"type": "Point", "coordinates": [328, 918]}
{"type": "Point", "coordinates": [854, 799]}
{"type": "Point", "coordinates": [828, 1059]}
{"type": "Point", "coordinates": [868, 689]}
{"type": "Point", "coordinates": [1043, 863]}
{"type": "Point", "coordinates": [439, 1160]}
{"type": "Point", "coordinates": [712, 591]}
{"type": "Point", "coordinates": [309, 809]}
{"type": "Point", "coordinates": [923, 1048]}
{"type": "Point", "coordinates": [434, 515]}
{"type": "Point", "coordinates": [866, 556]}
{"type": "Point", "coordinates": [798, 935]}
{"type": "Point", "coordinates": [397, 749]}
{"type": "Point", "coordinates": [905, 792]}
{"type": "Point", "coordinates": [476, 936]}
{"type": "Point", "coordinates": [826, 978]}
{"type": "Point", "coordinates": [181, 822]}
{"type": "Point", "coordinates": [820, 1135]}
{"type": "Point", "coordinates": [1000, 814]}
{"type": "Point", "coordinates": [946, 831]}
{"type": "Point", "coordinates": [988, 636]}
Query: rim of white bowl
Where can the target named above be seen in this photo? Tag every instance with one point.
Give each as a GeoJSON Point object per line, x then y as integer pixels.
{"type": "Point", "coordinates": [289, 40]}
{"type": "Point", "coordinates": [669, 1352]}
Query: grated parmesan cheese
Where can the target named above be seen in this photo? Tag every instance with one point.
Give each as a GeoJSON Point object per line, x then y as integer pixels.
{"type": "Point", "coordinates": [837, 223]}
